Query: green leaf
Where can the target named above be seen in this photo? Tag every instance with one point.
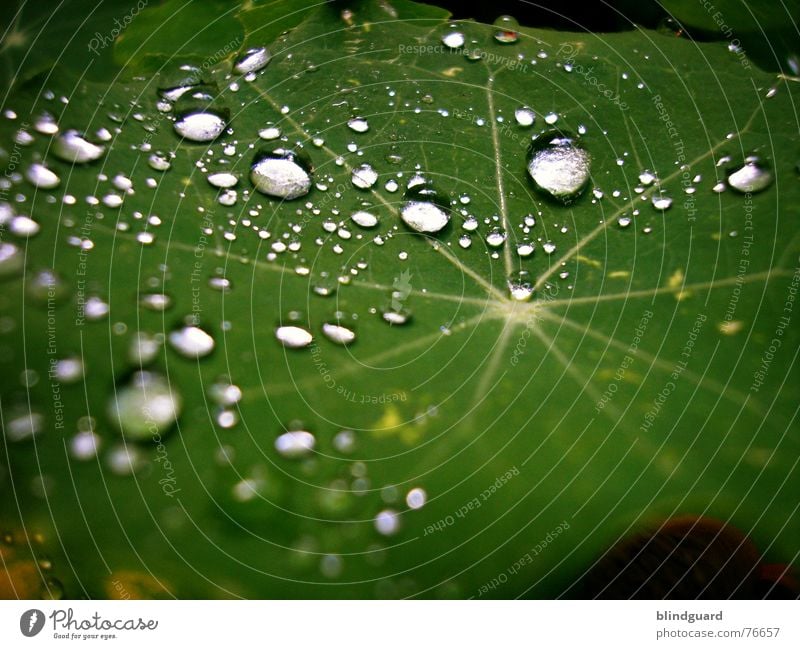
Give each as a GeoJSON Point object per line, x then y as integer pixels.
{"type": "Point", "coordinates": [627, 390]}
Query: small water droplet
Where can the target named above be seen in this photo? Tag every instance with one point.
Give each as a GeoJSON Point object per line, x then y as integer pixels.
{"type": "Point", "coordinates": [520, 285]}
{"type": "Point", "coordinates": [416, 498]}
{"type": "Point", "coordinates": [525, 116]}
{"type": "Point", "coordinates": [661, 201]}
{"type": "Point", "coordinates": [751, 177]}
{"type": "Point", "coordinates": [358, 124]}
{"type": "Point", "coordinates": [387, 522]}
{"type": "Point", "coordinates": [200, 125]}
{"type": "Point", "coordinates": [364, 219]}
{"type": "Point", "coordinates": [453, 40]}
{"type": "Point", "coordinates": [525, 248]}
{"type": "Point", "coordinates": [222, 180]}
{"type": "Point", "coordinates": [496, 237]}
{"type": "Point", "coordinates": [364, 176]}
{"type": "Point", "coordinates": [295, 444]}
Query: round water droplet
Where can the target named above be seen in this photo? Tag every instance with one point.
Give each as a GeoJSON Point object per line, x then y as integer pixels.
{"type": "Point", "coordinates": [496, 237]}
{"type": "Point", "coordinates": [365, 219]}
{"type": "Point", "coordinates": [72, 146]}
{"type": "Point", "coordinates": [559, 168]}
{"type": "Point", "coordinates": [338, 333]}
{"type": "Point", "coordinates": [191, 342]}
{"type": "Point", "coordinates": [295, 443]}
{"type": "Point", "coordinates": [252, 60]}
{"type": "Point", "coordinates": [159, 162]}
{"type": "Point", "coordinates": [507, 30]}
{"type": "Point", "coordinates": [12, 260]}
{"type": "Point", "coordinates": [144, 407]}
{"type": "Point", "coordinates": [358, 124]}
{"type": "Point", "coordinates": [525, 248]}
{"type": "Point", "coordinates": [387, 522]}
{"type": "Point", "coordinates": [520, 285]}
{"type": "Point", "coordinates": [751, 177]}
{"type": "Point", "coordinates": [465, 241]}
{"type": "Point", "coordinates": [269, 133]}
{"type": "Point", "coordinates": [416, 498]}
{"type": "Point", "coordinates": [293, 337]}
{"type": "Point", "coordinates": [453, 39]}
{"type": "Point", "coordinates": [281, 173]}
{"type": "Point", "coordinates": [200, 125]}
{"type": "Point", "coordinates": [396, 316]}
{"type": "Point", "coordinates": [85, 445]}
{"type": "Point", "coordinates": [364, 176]}
{"type": "Point", "coordinates": [425, 216]}
{"type": "Point", "coordinates": [525, 116]}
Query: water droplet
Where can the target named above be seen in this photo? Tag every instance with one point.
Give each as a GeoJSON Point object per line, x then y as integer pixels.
{"type": "Point", "coordinates": [358, 124]}
{"type": "Point", "coordinates": [344, 441]}
{"type": "Point", "coordinates": [144, 348]}
{"type": "Point", "coordinates": [12, 260]}
{"type": "Point", "coordinates": [549, 248]}
{"type": "Point", "coordinates": [200, 125]}
{"type": "Point", "coordinates": [41, 177]}
{"type": "Point", "coordinates": [365, 219]}
{"type": "Point", "coordinates": [425, 211]}
{"type": "Point", "coordinates": [416, 498]}
{"type": "Point", "coordinates": [520, 285]}
{"type": "Point", "coordinates": [453, 40]}
{"type": "Point", "coordinates": [507, 30]}
{"type": "Point", "coordinates": [496, 237]}
{"type": "Point", "coordinates": [559, 168]}
{"type": "Point", "coordinates": [525, 116]}
{"type": "Point", "coordinates": [156, 301]}
{"type": "Point", "coordinates": [295, 443]}
{"type": "Point", "coordinates": [23, 425]}
{"type": "Point", "coordinates": [387, 522]}
{"type": "Point", "coordinates": [24, 227]}
{"type": "Point", "coordinates": [396, 316]}
{"type": "Point", "coordinates": [281, 173]}
{"type": "Point", "coordinates": [252, 60]}
{"type": "Point", "coordinates": [68, 370]}
{"type": "Point", "coordinates": [293, 337]}
{"type": "Point", "coordinates": [159, 162]}
{"type": "Point", "coordinates": [525, 248]}
{"type": "Point", "coordinates": [85, 445]}
{"type": "Point", "coordinates": [269, 133]}
{"type": "Point", "coordinates": [751, 177]}
{"type": "Point", "coordinates": [144, 407]}
{"type": "Point", "coordinates": [364, 176]}
{"type": "Point", "coordinates": [624, 221]}
{"type": "Point", "coordinates": [338, 333]}
{"type": "Point", "coordinates": [222, 180]}
{"type": "Point", "coordinates": [191, 342]}
{"type": "Point", "coordinates": [96, 308]}
{"type": "Point", "coordinates": [661, 201]}
{"type": "Point", "coordinates": [72, 146]}
{"type": "Point", "coordinates": [465, 241]}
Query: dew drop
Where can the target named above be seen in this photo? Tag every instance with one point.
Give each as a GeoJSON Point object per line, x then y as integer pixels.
{"type": "Point", "coordinates": [365, 219]}
{"type": "Point", "coordinates": [387, 522]}
{"type": "Point", "coordinates": [453, 40]}
{"type": "Point", "coordinates": [661, 201]}
{"type": "Point", "coordinates": [252, 60]}
{"type": "Point", "coordinates": [364, 176]}
{"type": "Point", "coordinates": [358, 124]}
{"type": "Point", "coordinates": [416, 498]}
{"type": "Point", "coordinates": [41, 177]}
{"type": "Point", "coordinates": [72, 146]}
{"type": "Point", "coordinates": [191, 342]}
{"type": "Point", "coordinates": [525, 116]}
{"type": "Point", "coordinates": [200, 126]}
{"type": "Point", "coordinates": [338, 333]}
{"type": "Point", "coordinates": [520, 286]}
{"type": "Point", "coordinates": [751, 177]}
{"type": "Point", "coordinates": [222, 180]}
{"type": "Point", "coordinates": [506, 30]}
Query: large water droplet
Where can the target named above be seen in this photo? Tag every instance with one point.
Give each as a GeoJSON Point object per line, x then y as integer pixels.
{"type": "Point", "coordinates": [524, 116]}
{"type": "Point", "coordinates": [72, 146]}
{"type": "Point", "coordinates": [559, 168]}
{"type": "Point", "coordinates": [191, 342]}
{"type": "Point", "coordinates": [661, 201]}
{"type": "Point", "coordinates": [751, 177]}
{"type": "Point", "coordinates": [453, 40]}
{"type": "Point", "coordinates": [425, 211]}
{"type": "Point", "coordinates": [252, 60]}
{"type": "Point", "coordinates": [358, 124]}
{"type": "Point", "coordinates": [144, 407]}
{"type": "Point", "coordinates": [281, 173]}
{"type": "Point", "coordinates": [12, 260]}
{"type": "Point", "coordinates": [295, 443]}
{"type": "Point", "coordinates": [222, 179]}
{"type": "Point", "coordinates": [338, 333]}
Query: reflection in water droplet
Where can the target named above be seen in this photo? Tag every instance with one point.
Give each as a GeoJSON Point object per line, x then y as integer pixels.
{"type": "Point", "coordinates": [252, 60]}
{"type": "Point", "coordinates": [507, 27]}
{"type": "Point", "coordinates": [281, 173]}
{"type": "Point", "coordinates": [144, 407]}
{"type": "Point", "coordinates": [200, 126]}
{"type": "Point", "coordinates": [293, 337]}
{"type": "Point", "coordinates": [520, 285]}
{"type": "Point", "coordinates": [295, 443]}
{"type": "Point", "coordinates": [751, 177]}
{"type": "Point", "coordinates": [191, 342]}
{"type": "Point", "coordinates": [71, 146]}
{"type": "Point", "coordinates": [559, 168]}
